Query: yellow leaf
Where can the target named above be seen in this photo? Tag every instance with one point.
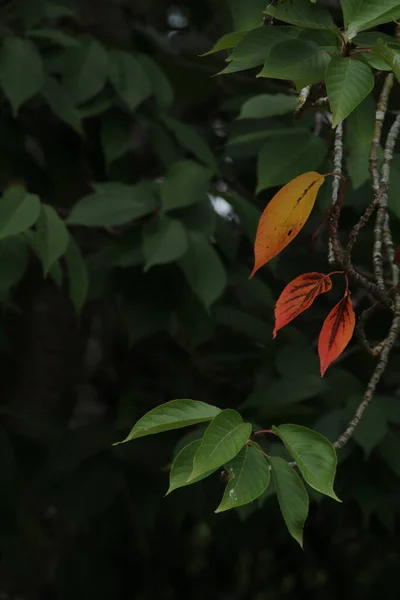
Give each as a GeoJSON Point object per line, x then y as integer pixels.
{"type": "Point", "coordinates": [284, 216]}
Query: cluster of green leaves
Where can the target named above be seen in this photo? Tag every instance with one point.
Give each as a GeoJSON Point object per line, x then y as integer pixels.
{"type": "Point", "coordinates": [227, 443]}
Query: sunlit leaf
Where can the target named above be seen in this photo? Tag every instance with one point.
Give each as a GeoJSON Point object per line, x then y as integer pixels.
{"type": "Point", "coordinates": [314, 455]}
{"type": "Point", "coordinates": [222, 441]}
{"type": "Point", "coordinates": [336, 332]}
{"type": "Point", "coordinates": [249, 477]}
{"type": "Point", "coordinates": [172, 415]}
{"type": "Point", "coordinates": [299, 295]}
{"type": "Point", "coordinates": [284, 216]}
{"type": "Point", "coordinates": [292, 496]}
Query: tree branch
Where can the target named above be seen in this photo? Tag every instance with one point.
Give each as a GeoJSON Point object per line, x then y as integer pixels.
{"type": "Point", "coordinates": [334, 250]}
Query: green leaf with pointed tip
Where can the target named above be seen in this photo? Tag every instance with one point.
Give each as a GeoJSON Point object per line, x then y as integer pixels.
{"type": "Point", "coordinates": [189, 139]}
{"type": "Point", "coordinates": [348, 82]}
{"type": "Point", "coordinates": [61, 103]}
{"type": "Point", "coordinates": [85, 70]}
{"type": "Point", "coordinates": [364, 14]}
{"type": "Point", "coordinates": [296, 59]}
{"type": "Point", "coordinates": [172, 415]}
{"type": "Point", "coordinates": [222, 441]}
{"type": "Point", "coordinates": [359, 132]}
{"type": "Point", "coordinates": [129, 78]}
{"type": "Point", "coordinates": [390, 55]}
{"type": "Point", "coordinates": [78, 278]}
{"type": "Point", "coordinates": [314, 455]}
{"type": "Point", "coordinates": [50, 238]}
{"type": "Point", "coordinates": [227, 41]}
{"type": "Point", "coordinates": [203, 269]}
{"type": "Point", "coordinates": [164, 241]}
{"type": "Point", "coordinates": [19, 210]}
{"type": "Point", "coordinates": [21, 70]}
{"type": "Point", "coordinates": [249, 477]}
{"type": "Point", "coordinates": [187, 182]}
{"type": "Point", "coordinates": [267, 105]}
{"type": "Point", "coordinates": [161, 87]}
{"type": "Point", "coordinates": [182, 467]}
{"type": "Point", "coordinates": [301, 13]}
{"type": "Point", "coordinates": [292, 496]}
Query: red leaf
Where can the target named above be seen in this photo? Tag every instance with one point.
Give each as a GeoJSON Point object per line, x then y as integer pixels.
{"type": "Point", "coordinates": [298, 295]}
{"type": "Point", "coordinates": [336, 332]}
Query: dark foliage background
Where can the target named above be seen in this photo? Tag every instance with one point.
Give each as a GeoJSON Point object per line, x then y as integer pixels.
{"type": "Point", "coordinates": [80, 518]}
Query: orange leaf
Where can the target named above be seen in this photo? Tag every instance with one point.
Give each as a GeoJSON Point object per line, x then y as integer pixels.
{"type": "Point", "coordinates": [284, 216]}
{"type": "Point", "coordinates": [336, 332]}
{"type": "Point", "coordinates": [298, 295]}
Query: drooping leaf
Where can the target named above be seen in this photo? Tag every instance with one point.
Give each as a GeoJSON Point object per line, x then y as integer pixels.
{"type": "Point", "coordinates": [284, 216]}
{"type": "Point", "coordinates": [348, 82]}
{"type": "Point", "coordinates": [187, 182]}
{"type": "Point", "coordinates": [182, 468]}
{"type": "Point", "coordinates": [364, 14]}
{"type": "Point", "coordinates": [21, 70]}
{"type": "Point", "coordinates": [164, 240]}
{"type": "Point", "coordinates": [249, 477]}
{"type": "Point", "coordinates": [224, 438]}
{"type": "Point", "coordinates": [116, 134]}
{"type": "Point", "coordinates": [160, 84]}
{"type": "Point", "coordinates": [359, 132]}
{"type": "Point", "coordinates": [292, 496]}
{"type": "Point", "coordinates": [314, 455]}
{"type": "Point", "coordinates": [19, 210]}
{"type": "Point", "coordinates": [336, 332]}
{"type": "Point", "coordinates": [298, 296]}
{"type": "Point", "coordinates": [172, 415]}
{"type": "Point", "coordinates": [267, 105]}
{"type": "Point", "coordinates": [297, 60]}
{"type": "Point", "coordinates": [284, 157]}
{"type": "Point", "coordinates": [61, 103]}
{"type": "Point", "coordinates": [50, 238]}
{"type": "Point", "coordinates": [129, 78]}
{"type": "Point", "coordinates": [301, 13]}
{"type": "Point", "coordinates": [78, 278]}
{"type": "Point", "coordinates": [85, 70]}
{"type": "Point", "coordinates": [189, 139]}
{"type": "Point", "coordinates": [391, 56]}
{"type": "Point", "coordinates": [203, 269]}
{"type": "Point", "coordinates": [113, 204]}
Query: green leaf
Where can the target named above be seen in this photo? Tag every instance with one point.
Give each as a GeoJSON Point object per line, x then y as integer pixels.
{"type": "Point", "coordinates": [390, 451]}
{"type": "Point", "coordinates": [246, 15]}
{"type": "Point", "coordinates": [21, 70]}
{"type": "Point", "coordinates": [348, 82]}
{"type": "Point", "coordinates": [286, 391]}
{"type": "Point", "coordinates": [301, 13]}
{"type": "Point", "coordinates": [200, 217]}
{"type": "Point", "coordinates": [253, 327]}
{"type": "Point", "coordinates": [267, 105]}
{"type": "Point", "coordinates": [227, 41]}
{"type": "Point", "coordinates": [30, 12]}
{"type": "Point", "coordinates": [360, 129]}
{"type": "Point", "coordinates": [373, 426]}
{"type": "Point", "coordinates": [129, 78]}
{"type": "Point", "coordinates": [222, 441]}
{"type": "Point", "coordinates": [160, 84]}
{"type": "Point", "coordinates": [189, 139]}
{"type": "Point", "coordinates": [56, 273]}
{"type": "Point", "coordinates": [13, 261]}
{"type": "Point", "coordinates": [113, 204]}
{"type": "Point", "coordinates": [116, 134]}
{"type": "Point", "coordinates": [364, 14]}
{"type": "Point", "coordinates": [283, 157]}
{"type": "Point", "coordinates": [248, 214]}
{"type": "Point", "coordinates": [249, 477]}
{"type": "Point", "coordinates": [54, 35]}
{"type": "Point", "coordinates": [292, 497]}
{"type": "Point", "coordinates": [187, 182]}
{"type": "Point", "coordinates": [391, 56]}
{"type": "Point", "coordinates": [85, 70]}
{"type": "Point", "coordinates": [314, 455]}
{"type": "Point", "coordinates": [19, 210]}
{"type": "Point", "coordinates": [172, 415]}
{"type": "Point", "coordinates": [296, 59]}
{"type": "Point", "coordinates": [50, 238]}
{"type": "Point", "coordinates": [182, 467]}
{"type": "Point", "coordinates": [61, 103]}
{"type": "Point", "coordinates": [254, 48]}
{"type": "Point", "coordinates": [78, 279]}
{"type": "Point", "coordinates": [57, 11]}
{"type": "Point", "coordinates": [164, 241]}
{"type": "Point", "coordinates": [203, 270]}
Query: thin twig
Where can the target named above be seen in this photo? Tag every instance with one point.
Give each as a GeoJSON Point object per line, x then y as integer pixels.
{"type": "Point", "coordinates": [360, 332]}
{"type": "Point", "coordinates": [381, 110]}
{"type": "Point", "coordinates": [364, 220]}
{"type": "Point", "coordinates": [337, 169]}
